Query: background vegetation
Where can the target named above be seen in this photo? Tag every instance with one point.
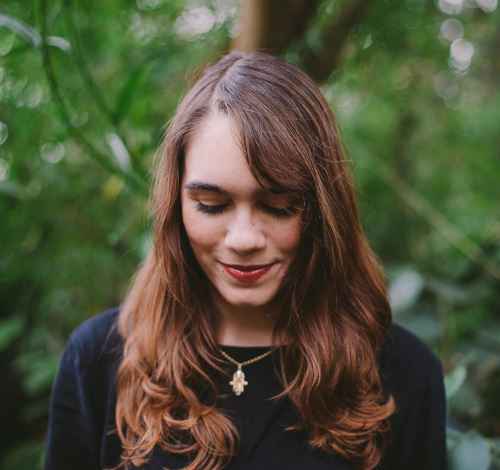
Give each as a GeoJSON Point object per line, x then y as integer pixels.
{"type": "Point", "coordinates": [85, 90]}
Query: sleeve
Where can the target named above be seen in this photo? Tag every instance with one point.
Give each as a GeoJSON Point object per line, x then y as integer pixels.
{"type": "Point", "coordinates": [72, 441]}
{"type": "Point", "coordinates": [433, 435]}
{"type": "Point", "coordinates": [425, 425]}
{"type": "Point", "coordinates": [419, 425]}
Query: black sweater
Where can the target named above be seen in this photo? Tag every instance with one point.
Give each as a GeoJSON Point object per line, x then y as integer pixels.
{"type": "Point", "coordinates": [84, 399]}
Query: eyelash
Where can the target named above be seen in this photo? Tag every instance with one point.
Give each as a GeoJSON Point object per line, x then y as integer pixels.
{"type": "Point", "coordinates": [272, 211]}
{"type": "Point", "coordinates": [211, 210]}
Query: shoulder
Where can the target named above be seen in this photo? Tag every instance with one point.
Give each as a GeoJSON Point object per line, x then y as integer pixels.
{"type": "Point", "coordinates": [407, 362]}
{"type": "Point", "coordinates": [83, 395]}
{"type": "Point", "coordinates": [412, 374]}
{"type": "Point", "coordinates": [100, 329]}
{"type": "Point", "coordinates": [96, 339]}
{"type": "Point", "coordinates": [403, 349]}
{"type": "Point", "coordinates": [89, 363]}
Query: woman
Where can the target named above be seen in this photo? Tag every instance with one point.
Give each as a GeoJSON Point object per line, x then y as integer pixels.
{"type": "Point", "coordinates": [257, 335]}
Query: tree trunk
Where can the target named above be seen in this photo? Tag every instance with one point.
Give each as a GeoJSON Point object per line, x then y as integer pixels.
{"type": "Point", "coordinates": [271, 25]}
{"type": "Point", "coordinates": [321, 64]}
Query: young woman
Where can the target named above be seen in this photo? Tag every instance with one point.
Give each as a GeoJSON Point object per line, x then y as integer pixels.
{"type": "Point", "coordinates": [257, 334]}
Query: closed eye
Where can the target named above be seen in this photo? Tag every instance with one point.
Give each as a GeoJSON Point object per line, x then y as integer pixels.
{"type": "Point", "coordinates": [279, 212]}
{"type": "Point", "coordinates": [211, 210]}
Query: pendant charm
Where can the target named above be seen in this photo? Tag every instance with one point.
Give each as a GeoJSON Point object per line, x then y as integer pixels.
{"type": "Point", "coordinates": [238, 382]}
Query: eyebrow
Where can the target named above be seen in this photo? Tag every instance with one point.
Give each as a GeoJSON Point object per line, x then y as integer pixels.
{"type": "Point", "coordinates": [208, 187]}
{"type": "Point", "coordinates": [256, 194]}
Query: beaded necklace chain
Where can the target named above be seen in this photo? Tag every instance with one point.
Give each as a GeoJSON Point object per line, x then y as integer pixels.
{"type": "Point", "coordinates": [239, 381]}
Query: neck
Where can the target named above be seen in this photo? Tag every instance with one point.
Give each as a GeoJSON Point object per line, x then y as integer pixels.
{"type": "Point", "coordinates": [244, 326]}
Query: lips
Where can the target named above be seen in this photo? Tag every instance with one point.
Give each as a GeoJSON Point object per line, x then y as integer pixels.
{"type": "Point", "coordinates": [250, 273]}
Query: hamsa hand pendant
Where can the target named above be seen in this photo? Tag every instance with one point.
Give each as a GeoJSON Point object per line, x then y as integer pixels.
{"type": "Point", "coordinates": [238, 382]}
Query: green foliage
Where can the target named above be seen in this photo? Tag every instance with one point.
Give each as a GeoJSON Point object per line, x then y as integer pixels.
{"type": "Point", "coordinates": [471, 451]}
{"type": "Point", "coordinates": [85, 91]}
{"type": "Point", "coordinates": [26, 457]}
{"type": "Point", "coordinates": [423, 132]}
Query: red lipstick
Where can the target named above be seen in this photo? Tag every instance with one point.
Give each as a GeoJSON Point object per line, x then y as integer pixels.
{"type": "Point", "coordinates": [249, 273]}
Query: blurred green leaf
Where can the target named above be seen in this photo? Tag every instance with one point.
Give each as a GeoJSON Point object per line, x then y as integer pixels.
{"type": "Point", "coordinates": [38, 371]}
{"type": "Point", "coordinates": [12, 189]}
{"type": "Point", "coordinates": [26, 457]}
{"type": "Point", "coordinates": [471, 452]}
{"type": "Point", "coordinates": [127, 93]}
{"type": "Point", "coordinates": [466, 403]}
{"type": "Point", "coordinates": [10, 329]}
{"type": "Point", "coordinates": [27, 32]}
{"type": "Point", "coordinates": [405, 289]}
{"type": "Point", "coordinates": [454, 380]}
{"type": "Point", "coordinates": [490, 337]}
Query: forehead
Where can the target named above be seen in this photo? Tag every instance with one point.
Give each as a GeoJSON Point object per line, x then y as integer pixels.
{"type": "Point", "coordinates": [214, 155]}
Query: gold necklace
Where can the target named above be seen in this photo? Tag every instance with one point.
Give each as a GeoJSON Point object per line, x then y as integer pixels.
{"type": "Point", "coordinates": [238, 381]}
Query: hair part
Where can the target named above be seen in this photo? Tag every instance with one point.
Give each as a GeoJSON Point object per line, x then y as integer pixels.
{"type": "Point", "coordinates": [333, 298]}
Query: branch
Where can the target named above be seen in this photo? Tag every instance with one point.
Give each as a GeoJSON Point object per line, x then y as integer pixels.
{"type": "Point", "coordinates": [79, 58]}
{"type": "Point", "coordinates": [95, 91]}
{"type": "Point", "coordinates": [321, 64]}
{"type": "Point", "coordinates": [271, 25]}
{"type": "Point", "coordinates": [435, 218]}
{"type": "Point", "coordinates": [132, 178]}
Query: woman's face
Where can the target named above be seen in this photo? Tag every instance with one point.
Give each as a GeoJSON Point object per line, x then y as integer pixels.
{"type": "Point", "coordinates": [243, 238]}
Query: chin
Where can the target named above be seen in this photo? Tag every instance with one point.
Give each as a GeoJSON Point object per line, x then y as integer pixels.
{"type": "Point", "coordinates": [250, 299]}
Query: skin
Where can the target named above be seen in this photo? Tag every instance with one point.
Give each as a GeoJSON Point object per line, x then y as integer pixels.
{"type": "Point", "coordinates": [231, 221]}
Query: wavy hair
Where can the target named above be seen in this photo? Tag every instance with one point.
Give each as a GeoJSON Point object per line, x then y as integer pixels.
{"type": "Point", "coordinates": [334, 314]}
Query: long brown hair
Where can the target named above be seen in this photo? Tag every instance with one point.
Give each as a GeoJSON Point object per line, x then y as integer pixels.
{"type": "Point", "coordinates": [334, 314]}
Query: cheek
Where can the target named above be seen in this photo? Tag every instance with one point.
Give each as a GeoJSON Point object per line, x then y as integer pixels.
{"type": "Point", "coordinates": [288, 237]}
{"type": "Point", "coordinates": [203, 234]}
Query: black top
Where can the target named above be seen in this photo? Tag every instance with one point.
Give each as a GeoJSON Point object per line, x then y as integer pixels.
{"type": "Point", "coordinates": [84, 399]}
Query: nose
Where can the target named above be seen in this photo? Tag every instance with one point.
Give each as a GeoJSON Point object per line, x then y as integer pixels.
{"type": "Point", "coordinates": [244, 234]}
